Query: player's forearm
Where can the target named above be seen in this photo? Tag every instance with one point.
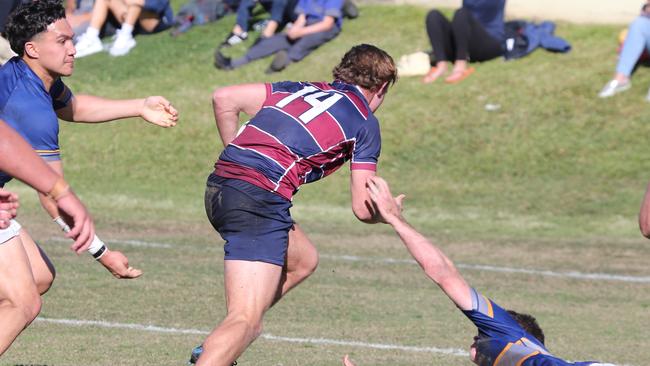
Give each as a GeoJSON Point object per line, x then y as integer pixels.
{"type": "Point", "coordinates": [49, 205]}
{"type": "Point", "coordinates": [432, 260]}
{"type": "Point", "coordinates": [24, 164]}
{"type": "Point", "coordinates": [92, 109]}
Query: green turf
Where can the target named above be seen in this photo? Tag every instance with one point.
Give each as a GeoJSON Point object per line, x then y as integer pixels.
{"type": "Point", "coordinates": [552, 180]}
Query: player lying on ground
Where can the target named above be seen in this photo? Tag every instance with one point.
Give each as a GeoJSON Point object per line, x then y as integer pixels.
{"type": "Point", "coordinates": [32, 97]}
{"type": "Point", "coordinates": [300, 133]}
{"type": "Point", "coordinates": [505, 337]}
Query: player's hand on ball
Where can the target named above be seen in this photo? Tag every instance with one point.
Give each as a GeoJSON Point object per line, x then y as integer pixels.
{"type": "Point", "coordinates": [389, 207]}
{"type": "Point", "coordinates": [159, 111]}
{"type": "Point", "coordinates": [118, 264]}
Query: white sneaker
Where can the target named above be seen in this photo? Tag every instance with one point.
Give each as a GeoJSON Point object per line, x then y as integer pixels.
{"type": "Point", "coordinates": [122, 45]}
{"type": "Point", "coordinates": [88, 45]}
{"type": "Point", "coordinates": [614, 87]}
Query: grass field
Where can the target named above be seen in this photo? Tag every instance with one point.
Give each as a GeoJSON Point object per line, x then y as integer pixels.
{"type": "Point", "coordinates": [552, 181]}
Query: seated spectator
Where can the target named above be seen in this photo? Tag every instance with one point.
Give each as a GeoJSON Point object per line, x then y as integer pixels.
{"type": "Point", "coordinates": [78, 13]}
{"type": "Point", "coordinates": [636, 42]}
{"type": "Point", "coordinates": [134, 17]}
{"type": "Point", "coordinates": [282, 12]}
{"type": "Point", "coordinates": [476, 33]}
{"type": "Point", "coordinates": [318, 22]}
{"type": "Point", "coordinates": [6, 7]}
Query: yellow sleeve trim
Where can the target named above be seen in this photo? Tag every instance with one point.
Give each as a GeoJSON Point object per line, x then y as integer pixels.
{"type": "Point", "coordinates": [527, 357]}
{"type": "Point", "coordinates": [503, 352]}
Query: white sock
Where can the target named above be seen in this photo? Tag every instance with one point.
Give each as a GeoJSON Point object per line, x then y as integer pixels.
{"type": "Point", "coordinates": [92, 32]}
{"type": "Point", "coordinates": [127, 29]}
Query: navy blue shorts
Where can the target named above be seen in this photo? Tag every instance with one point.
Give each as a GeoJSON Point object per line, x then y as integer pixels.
{"type": "Point", "coordinates": [254, 222]}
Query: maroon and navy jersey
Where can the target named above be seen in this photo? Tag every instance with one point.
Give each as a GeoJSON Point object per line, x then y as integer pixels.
{"type": "Point", "coordinates": [303, 132]}
{"type": "Point", "coordinates": [503, 342]}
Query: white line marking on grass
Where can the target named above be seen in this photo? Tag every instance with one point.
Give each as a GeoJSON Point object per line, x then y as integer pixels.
{"type": "Point", "coordinates": [567, 274]}
{"type": "Point", "coordinates": [446, 351]}
{"type": "Point", "coordinates": [351, 258]}
{"type": "Point", "coordinates": [133, 243]}
{"type": "Point", "coordinates": [270, 337]}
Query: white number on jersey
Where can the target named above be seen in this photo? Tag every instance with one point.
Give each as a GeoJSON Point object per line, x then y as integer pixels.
{"type": "Point", "coordinates": [310, 95]}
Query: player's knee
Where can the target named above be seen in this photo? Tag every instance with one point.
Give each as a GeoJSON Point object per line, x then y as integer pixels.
{"type": "Point", "coordinates": [310, 264]}
{"type": "Point", "coordinates": [25, 306]}
{"type": "Point", "coordinates": [249, 322]}
{"type": "Point", "coordinates": [434, 16]}
{"type": "Point", "coordinates": [44, 282]}
{"type": "Point", "coordinates": [32, 309]}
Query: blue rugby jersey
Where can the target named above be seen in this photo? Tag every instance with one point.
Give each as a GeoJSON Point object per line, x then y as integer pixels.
{"type": "Point", "coordinates": [26, 106]}
{"type": "Point", "coordinates": [303, 132]}
{"type": "Point", "coordinates": [503, 342]}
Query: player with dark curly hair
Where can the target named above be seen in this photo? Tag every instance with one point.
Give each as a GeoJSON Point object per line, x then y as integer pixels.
{"type": "Point", "coordinates": [32, 98]}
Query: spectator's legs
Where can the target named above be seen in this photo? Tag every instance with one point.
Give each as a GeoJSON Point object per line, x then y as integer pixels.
{"type": "Point", "coordinates": [265, 47]}
{"type": "Point", "coordinates": [472, 42]}
{"type": "Point", "coordinates": [89, 43]}
{"type": "Point", "coordinates": [127, 12]}
{"type": "Point", "coordinates": [300, 49]}
{"type": "Point", "coordinates": [305, 45]}
{"type": "Point", "coordinates": [99, 14]}
{"type": "Point", "coordinates": [277, 15]}
{"type": "Point", "coordinates": [439, 31]}
{"type": "Point", "coordinates": [638, 39]}
{"type": "Point", "coordinates": [240, 31]}
{"type": "Point", "coordinates": [243, 16]}
{"type": "Point", "coordinates": [482, 46]}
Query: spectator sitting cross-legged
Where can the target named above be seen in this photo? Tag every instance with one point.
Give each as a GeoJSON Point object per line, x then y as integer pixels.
{"type": "Point", "coordinates": [476, 33]}
{"type": "Point", "coordinates": [637, 40]}
{"type": "Point", "coordinates": [318, 22]}
{"type": "Point", "coordinates": [282, 12]}
{"type": "Point", "coordinates": [135, 16]}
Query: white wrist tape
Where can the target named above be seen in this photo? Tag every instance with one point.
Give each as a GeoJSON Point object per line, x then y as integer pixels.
{"type": "Point", "coordinates": [59, 221]}
{"type": "Point", "coordinates": [97, 248]}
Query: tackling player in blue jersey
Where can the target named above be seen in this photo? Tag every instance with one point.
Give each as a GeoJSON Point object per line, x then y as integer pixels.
{"type": "Point", "coordinates": [32, 98]}
{"type": "Point", "coordinates": [300, 132]}
{"type": "Point", "coordinates": [505, 337]}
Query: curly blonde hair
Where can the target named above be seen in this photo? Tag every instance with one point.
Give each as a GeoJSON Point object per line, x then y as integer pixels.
{"type": "Point", "coordinates": [366, 66]}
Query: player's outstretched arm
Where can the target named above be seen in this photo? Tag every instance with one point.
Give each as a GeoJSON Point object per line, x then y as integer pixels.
{"type": "Point", "coordinates": [230, 101]}
{"type": "Point", "coordinates": [91, 109]}
{"type": "Point", "coordinates": [644, 214]}
{"type": "Point", "coordinates": [433, 261]}
{"type": "Point", "coordinates": [8, 207]}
